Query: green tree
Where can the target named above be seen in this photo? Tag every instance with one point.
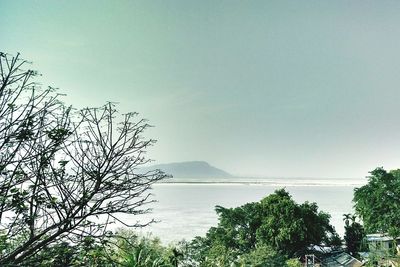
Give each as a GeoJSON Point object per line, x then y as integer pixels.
{"type": "Point", "coordinates": [65, 175]}
{"type": "Point", "coordinates": [276, 222]}
{"type": "Point", "coordinates": [354, 234]}
{"type": "Point", "coordinates": [132, 250]}
{"type": "Point", "coordinates": [262, 256]}
{"type": "Point", "coordinates": [124, 248]}
{"type": "Point", "coordinates": [378, 202]}
{"type": "Point", "coordinates": [87, 253]}
{"type": "Point", "coordinates": [143, 253]}
{"type": "Point", "coordinates": [294, 263]}
{"type": "Point", "coordinates": [290, 227]}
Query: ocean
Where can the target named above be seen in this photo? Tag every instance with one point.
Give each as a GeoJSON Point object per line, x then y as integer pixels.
{"type": "Point", "coordinates": [185, 208]}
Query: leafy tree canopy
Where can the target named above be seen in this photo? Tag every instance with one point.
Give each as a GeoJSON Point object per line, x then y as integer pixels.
{"type": "Point", "coordinates": [378, 202]}
{"type": "Point", "coordinates": [354, 234]}
{"type": "Point", "coordinates": [124, 248]}
{"type": "Point", "coordinates": [277, 222]}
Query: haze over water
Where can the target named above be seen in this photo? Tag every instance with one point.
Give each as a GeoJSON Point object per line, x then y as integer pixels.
{"type": "Point", "coordinates": [263, 88]}
{"type": "Point", "coordinates": [257, 88]}
{"type": "Point", "coordinates": [186, 209]}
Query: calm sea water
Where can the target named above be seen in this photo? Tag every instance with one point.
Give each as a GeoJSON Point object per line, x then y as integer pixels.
{"type": "Point", "coordinates": [186, 210]}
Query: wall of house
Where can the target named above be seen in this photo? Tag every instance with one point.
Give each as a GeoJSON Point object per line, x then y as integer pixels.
{"type": "Point", "coordinates": [380, 245]}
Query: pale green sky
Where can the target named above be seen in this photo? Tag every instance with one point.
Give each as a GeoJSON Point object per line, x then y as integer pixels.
{"type": "Point", "coordinates": [267, 88]}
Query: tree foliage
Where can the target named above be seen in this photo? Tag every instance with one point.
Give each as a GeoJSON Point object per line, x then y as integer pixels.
{"type": "Point", "coordinates": [276, 223]}
{"type": "Point", "coordinates": [124, 248]}
{"type": "Point", "coordinates": [378, 202]}
{"type": "Point", "coordinates": [354, 234]}
{"type": "Point", "coordinates": [135, 251]}
{"type": "Point", "coordinates": [65, 175]}
{"type": "Point", "coordinates": [262, 256]}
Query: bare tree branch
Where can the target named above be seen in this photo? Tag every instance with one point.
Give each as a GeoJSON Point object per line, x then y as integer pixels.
{"type": "Point", "coordinates": [64, 175]}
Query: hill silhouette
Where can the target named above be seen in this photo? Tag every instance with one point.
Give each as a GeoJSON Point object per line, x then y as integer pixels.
{"type": "Point", "coordinates": [191, 169]}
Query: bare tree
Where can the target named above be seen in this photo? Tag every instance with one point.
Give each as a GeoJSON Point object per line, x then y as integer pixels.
{"type": "Point", "coordinates": [64, 175]}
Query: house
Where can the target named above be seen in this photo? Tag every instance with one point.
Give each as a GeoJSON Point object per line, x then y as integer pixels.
{"type": "Point", "coordinates": [341, 259]}
{"type": "Point", "coordinates": [382, 243]}
{"type": "Point", "coordinates": [382, 249]}
{"type": "Point", "coordinates": [333, 258]}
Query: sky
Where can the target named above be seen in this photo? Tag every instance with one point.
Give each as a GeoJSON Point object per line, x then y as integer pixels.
{"type": "Point", "coordinates": [257, 88]}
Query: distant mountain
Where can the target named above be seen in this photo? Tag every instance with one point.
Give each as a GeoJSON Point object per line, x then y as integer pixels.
{"type": "Point", "coordinates": [191, 169]}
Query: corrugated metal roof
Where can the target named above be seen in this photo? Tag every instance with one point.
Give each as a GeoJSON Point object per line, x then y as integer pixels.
{"type": "Point", "coordinates": [378, 237]}
{"type": "Point", "coordinates": [341, 259]}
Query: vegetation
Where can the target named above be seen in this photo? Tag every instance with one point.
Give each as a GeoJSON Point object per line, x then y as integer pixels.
{"type": "Point", "coordinates": [122, 249]}
{"type": "Point", "coordinates": [64, 174]}
{"type": "Point", "coordinates": [378, 202]}
{"type": "Point", "coordinates": [142, 252]}
{"type": "Point", "coordinates": [354, 234]}
{"type": "Point", "coordinates": [269, 231]}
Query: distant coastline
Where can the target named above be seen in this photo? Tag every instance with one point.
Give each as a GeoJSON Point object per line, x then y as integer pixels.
{"type": "Point", "coordinates": [268, 181]}
{"type": "Point", "coordinates": [190, 169]}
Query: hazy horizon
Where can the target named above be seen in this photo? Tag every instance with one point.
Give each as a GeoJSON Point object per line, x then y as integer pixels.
{"type": "Point", "coordinates": [157, 165]}
{"type": "Point", "coordinates": [256, 88]}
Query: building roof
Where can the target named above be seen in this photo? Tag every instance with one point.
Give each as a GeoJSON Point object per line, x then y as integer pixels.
{"type": "Point", "coordinates": [342, 259]}
{"type": "Point", "coordinates": [379, 237]}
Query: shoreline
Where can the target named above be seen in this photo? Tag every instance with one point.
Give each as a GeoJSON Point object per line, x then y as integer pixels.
{"type": "Point", "coordinates": [271, 184]}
